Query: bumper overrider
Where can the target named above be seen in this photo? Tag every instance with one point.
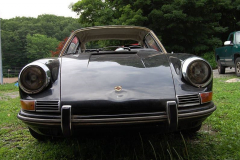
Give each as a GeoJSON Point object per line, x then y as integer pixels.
{"type": "Point", "coordinates": [173, 118]}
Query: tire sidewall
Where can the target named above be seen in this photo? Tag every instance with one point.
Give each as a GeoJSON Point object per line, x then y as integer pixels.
{"type": "Point", "coordinates": [236, 70]}
{"type": "Point", "coordinates": [221, 69]}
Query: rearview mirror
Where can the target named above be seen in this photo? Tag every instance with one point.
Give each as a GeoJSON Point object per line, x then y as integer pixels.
{"type": "Point", "coordinates": [227, 43]}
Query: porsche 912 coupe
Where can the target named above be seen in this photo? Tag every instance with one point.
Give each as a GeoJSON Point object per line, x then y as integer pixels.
{"type": "Point", "coordinates": [115, 77]}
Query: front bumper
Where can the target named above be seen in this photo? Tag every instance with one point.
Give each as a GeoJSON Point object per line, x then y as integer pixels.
{"type": "Point", "coordinates": [173, 119]}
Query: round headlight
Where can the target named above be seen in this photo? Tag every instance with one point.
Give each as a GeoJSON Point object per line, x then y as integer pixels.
{"type": "Point", "coordinates": [197, 71]}
{"type": "Point", "coordinates": [34, 77]}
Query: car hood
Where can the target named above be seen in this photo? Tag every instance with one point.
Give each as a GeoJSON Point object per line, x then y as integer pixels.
{"type": "Point", "coordinates": [94, 77]}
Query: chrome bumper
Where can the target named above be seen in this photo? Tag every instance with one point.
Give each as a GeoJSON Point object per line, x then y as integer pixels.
{"type": "Point", "coordinates": [66, 120]}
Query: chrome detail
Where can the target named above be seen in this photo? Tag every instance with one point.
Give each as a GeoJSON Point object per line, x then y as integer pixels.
{"type": "Point", "coordinates": [41, 120]}
{"type": "Point", "coordinates": [116, 120]}
{"type": "Point", "coordinates": [66, 117]}
{"type": "Point", "coordinates": [172, 115]}
{"type": "Point", "coordinates": [47, 106]}
{"type": "Point", "coordinates": [185, 66]}
{"type": "Point", "coordinates": [197, 114]}
{"type": "Point", "coordinates": [47, 80]}
{"type": "Point", "coordinates": [79, 121]}
{"type": "Point", "coordinates": [188, 100]}
{"type": "Point", "coordinates": [118, 88]}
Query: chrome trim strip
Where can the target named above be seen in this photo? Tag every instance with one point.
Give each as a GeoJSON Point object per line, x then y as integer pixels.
{"type": "Point", "coordinates": [118, 123]}
{"type": "Point", "coordinates": [50, 111]}
{"type": "Point", "coordinates": [158, 42]}
{"type": "Point", "coordinates": [197, 114]}
{"type": "Point", "coordinates": [187, 105]}
{"type": "Point", "coordinates": [56, 110]}
{"type": "Point", "coordinates": [29, 119]}
{"type": "Point", "coordinates": [190, 104]}
{"type": "Point", "coordinates": [47, 80]}
{"type": "Point", "coordinates": [119, 120]}
{"type": "Point", "coordinates": [185, 66]}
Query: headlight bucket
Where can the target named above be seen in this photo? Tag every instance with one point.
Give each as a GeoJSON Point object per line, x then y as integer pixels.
{"type": "Point", "coordinates": [34, 77]}
{"type": "Point", "coordinates": [197, 71]}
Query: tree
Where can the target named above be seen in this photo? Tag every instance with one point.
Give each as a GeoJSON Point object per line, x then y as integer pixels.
{"type": "Point", "coordinates": [194, 26]}
{"type": "Point", "coordinates": [15, 31]}
{"type": "Point", "coordinates": [39, 46]}
{"type": "Point", "coordinates": [59, 48]}
{"type": "Point", "coordinates": [97, 12]}
{"type": "Point", "coordinates": [93, 13]}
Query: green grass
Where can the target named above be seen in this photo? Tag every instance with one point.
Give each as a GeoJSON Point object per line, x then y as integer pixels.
{"type": "Point", "coordinates": [8, 88]}
{"type": "Point", "coordinates": [218, 140]}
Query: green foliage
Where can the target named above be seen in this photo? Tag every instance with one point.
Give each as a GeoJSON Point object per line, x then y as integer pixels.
{"type": "Point", "coordinates": [93, 13]}
{"type": "Point", "coordinates": [39, 46]}
{"type": "Point", "coordinates": [15, 31]}
{"type": "Point", "coordinates": [210, 57]}
{"type": "Point", "coordinates": [189, 26]}
{"type": "Point", "coordinates": [130, 17]}
{"type": "Point", "coordinates": [97, 12]}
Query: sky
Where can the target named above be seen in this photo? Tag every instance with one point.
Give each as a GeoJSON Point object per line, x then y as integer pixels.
{"type": "Point", "coordinates": [31, 8]}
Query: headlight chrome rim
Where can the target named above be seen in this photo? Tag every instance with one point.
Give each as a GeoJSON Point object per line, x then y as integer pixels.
{"type": "Point", "coordinates": [185, 67]}
{"type": "Point", "coordinates": [47, 77]}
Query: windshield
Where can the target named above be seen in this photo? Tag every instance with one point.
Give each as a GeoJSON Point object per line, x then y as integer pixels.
{"type": "Point", "coordinates": [109, 45]}
{"type": "Point", "coordinates": [238, 37]}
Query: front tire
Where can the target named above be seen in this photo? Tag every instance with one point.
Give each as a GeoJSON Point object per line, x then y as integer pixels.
{"type": "Point", "coordinates": [221, 69]}
{"type": "Point", "coordinates": [37, 136]}
{"type": "Point", "coordinates": [237, 67]}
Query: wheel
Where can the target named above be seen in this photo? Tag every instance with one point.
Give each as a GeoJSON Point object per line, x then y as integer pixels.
{"type": "Point", "coordinates": [36, 135]}
{"type": "Point", "coordinates": [237, 67]}
{"type": "Point", "coordinates": [221, 69]}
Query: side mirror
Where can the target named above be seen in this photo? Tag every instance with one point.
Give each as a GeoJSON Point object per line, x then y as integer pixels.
{"type": "Point", "coordinates": [227, 43]}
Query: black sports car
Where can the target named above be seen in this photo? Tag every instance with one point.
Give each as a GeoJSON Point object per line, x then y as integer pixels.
{"type": "Point", "coordinates": [133, 84]}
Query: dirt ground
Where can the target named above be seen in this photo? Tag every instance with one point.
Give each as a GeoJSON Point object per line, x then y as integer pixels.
{"type": "Point", "coordinates": [10, 80]}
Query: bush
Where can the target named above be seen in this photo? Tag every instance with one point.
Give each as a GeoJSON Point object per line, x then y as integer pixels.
{"type": "Point", "coordinates": [210, 57]}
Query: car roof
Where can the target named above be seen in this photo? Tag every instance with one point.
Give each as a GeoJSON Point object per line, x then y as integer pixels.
{"type": "Point", "coordinates": [111, 32]}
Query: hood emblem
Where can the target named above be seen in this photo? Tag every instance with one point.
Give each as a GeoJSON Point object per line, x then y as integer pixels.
{"type": "Point", "coordinates": [118, 88]}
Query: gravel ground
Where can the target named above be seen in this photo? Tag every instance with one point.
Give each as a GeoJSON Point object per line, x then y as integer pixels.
{"type": "Point", "coordinates": [9, 95]}
{"type": "Point", "coordinates": [228, 72]}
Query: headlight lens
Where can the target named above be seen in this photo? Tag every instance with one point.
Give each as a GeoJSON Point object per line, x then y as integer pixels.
{"type": "Point", "coordinates": [34, 78]}
{"type": "Point", "coordinates": [197, 71]}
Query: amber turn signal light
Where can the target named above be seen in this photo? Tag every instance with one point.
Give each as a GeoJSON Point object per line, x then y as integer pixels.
{"type": "Point", "coordinates": [28, 105]}
{"type": "Point", "coordinates": [206, 97]}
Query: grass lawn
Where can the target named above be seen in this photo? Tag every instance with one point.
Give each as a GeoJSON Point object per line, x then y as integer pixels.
{"type": "Point", "coordinates": [218, 138]}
